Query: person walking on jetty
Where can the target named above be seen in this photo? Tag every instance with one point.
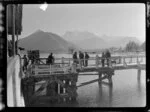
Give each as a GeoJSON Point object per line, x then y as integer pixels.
{"type": "Point", "coordinates": [75, 58]}
{"type": "Point", "coordinates": [108, 55]}
{"type": "Point", "coordinates": [103, 59]}
{"type": "Point", "coordinates": [86, 59]}
{"type": "Point", "coordinates": [50, 59]}
{"type": "Point", "coordinates": [25, 63]}
{"type": "Point", "coordinates": [81, 57]}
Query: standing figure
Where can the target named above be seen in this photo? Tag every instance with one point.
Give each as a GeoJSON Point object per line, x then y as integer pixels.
{"type": "Point", "coordinates": [86, 59]}
{"type": "Point", "coordinates": [75, 58]}
{"type": "Point", "coordinates": [81, 56]}
{"type": "Point", "coordinates": [103, 59]}
{"type": "Point", "coordinates": [25, 63]}
{"type": "Point", "coordinates": [50, 59]}
{"type": "Point", "coordinates": [108, 55]}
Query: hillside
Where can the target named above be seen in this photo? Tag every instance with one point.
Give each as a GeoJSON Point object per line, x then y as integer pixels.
{"type": "Point", "coordinates": [45, 42]}
{"type": "Point", "coordinates": [87, 40]}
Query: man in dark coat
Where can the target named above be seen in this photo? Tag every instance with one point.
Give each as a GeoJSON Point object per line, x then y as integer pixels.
{"type": "Point", "coordinates": [108, 55]}
{"type": "Point", "coordinates": [86, 59]}
{"type": "Point", "coordinates": [103, 59]}
{"type": "Point", "coordinates": [75, 57]}
{"type": "Point", "coordinates": [25, 63]}
{"type": "Point", "coordinates": [50, 59]}
{"type": "Point", "coordinates": [81, 56]}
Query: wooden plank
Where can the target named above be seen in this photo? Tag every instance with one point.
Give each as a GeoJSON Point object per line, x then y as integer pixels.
{"type": "Point", "coordinates": [92, 81]}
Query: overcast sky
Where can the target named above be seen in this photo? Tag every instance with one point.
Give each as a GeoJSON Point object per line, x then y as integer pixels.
{"type": "Point", "coordinates": [100, 19]}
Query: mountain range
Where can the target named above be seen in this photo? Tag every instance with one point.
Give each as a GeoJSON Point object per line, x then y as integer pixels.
{"type": "Point", "coordinates": [88, 40]}
{"type": "Point", "coordinates": [51, 42]}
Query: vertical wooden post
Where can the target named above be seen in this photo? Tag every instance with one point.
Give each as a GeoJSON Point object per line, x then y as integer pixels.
{"type": "Point", "coordinates": [62, 61]}
{"type": "Point", "coordinates": [73, 68]}
{"type": "Point", "coordinates": [141, 59]}
{"type": "Point", "coordinates": [64, 89]}
{"type": "Point", "coordinates": [69, 61]}
{"type": "Point", "coordinates": [96, 61]}
{"type": "Point", "coordinates": [64, 99]}
{"type": "Point", "coordinates": [58, 88]}
{"type": "Point", "coordinates": [36, 70]}
{"type": "Point", "coordinates": [138, 63]}
{"type": "Point", "coordinates": [17, 42]}
{"type": "Point", "coordinates": [120, 60]}
{"type": "Point", "coordinates": [124, 63]}
{"type": "Point", "coordinates": [13, 30]}
{"type": "Point", "coordinates": [110, 78]}
{"type": "Point", "coordinates": [110, 64]}
{"type": "Point", "coordinates": [50, 69]}
{"type": "Point", "coordinates": [80, 63]}
{"type": "Point", "coordinates": [70, 82]}
{"type": "Point", "coordinates": [100, 76]}
{"type": "Point", "coordinates": [139, 73]}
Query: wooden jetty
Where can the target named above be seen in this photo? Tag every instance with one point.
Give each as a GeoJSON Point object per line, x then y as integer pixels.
{"type": "Point", "coordinates": [60, 81]}
{"type": "Point", "coordinates": [60, 87]}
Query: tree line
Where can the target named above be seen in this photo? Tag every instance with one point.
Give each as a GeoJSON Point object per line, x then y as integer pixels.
{"type": "Point", "coordinates": [131, 46]}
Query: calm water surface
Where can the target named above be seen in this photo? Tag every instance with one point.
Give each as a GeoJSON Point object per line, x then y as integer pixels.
{"type": "Point", "coordinates": [127, 91]}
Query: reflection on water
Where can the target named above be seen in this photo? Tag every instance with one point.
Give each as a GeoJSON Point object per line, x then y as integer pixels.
{"type": "Point", "coordinates": [128, 90]}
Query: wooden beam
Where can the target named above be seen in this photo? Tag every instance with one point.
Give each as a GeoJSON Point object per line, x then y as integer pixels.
{"type": "Point", "coordinates": [89, 82]}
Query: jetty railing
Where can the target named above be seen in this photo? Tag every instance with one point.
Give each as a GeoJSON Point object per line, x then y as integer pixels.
{"type": "Point", "coordinates": [95, 61]}
{"type": "Point", "coordinates": [67, 65]}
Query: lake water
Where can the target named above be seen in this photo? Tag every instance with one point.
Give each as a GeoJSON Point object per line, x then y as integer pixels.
{"type": "Point", "coordinates": [128, 90]}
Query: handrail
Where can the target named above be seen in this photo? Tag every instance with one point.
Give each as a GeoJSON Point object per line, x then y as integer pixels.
{"type": "Point", "coordinates": [91, 58]}
{"type": "Point", "coordinates": [97, 61]}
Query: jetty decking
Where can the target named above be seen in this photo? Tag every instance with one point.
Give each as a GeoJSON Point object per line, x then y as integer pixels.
{"type": "Point", "coordinates": [60, 81]}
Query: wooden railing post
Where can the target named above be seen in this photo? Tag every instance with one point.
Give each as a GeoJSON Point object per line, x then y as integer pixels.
{"type": "Point", "coordinates": [130, 59]}
{"type": "Point", "coordinates": [141, 59]}
{"type": "Point", "coordinates": [73, 68]}
{"type": "Point", "coordinates": [138, 63]}
{"type": "Point", "coordinates": [69, 61]}
{"type": "Point", "coordinates": [62, 61]}
{"type": "Point", "coordinates": [35, 70]}
{"type": "Point", "coordinates": [110, 64]}
{"type": "Point", "coordinates": [138, 73]}
{"type": "Point", "coordinates": [50, 69]}
{"type": "Point", "coordinates": [79, 63]}
{"type": "Point", "coordinates": [124, 62]}
{"type": "Point", "coordinates": [96, 61]}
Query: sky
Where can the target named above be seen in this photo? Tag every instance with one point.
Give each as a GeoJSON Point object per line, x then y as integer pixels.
{"type": "Point", "coordinates": [100, 19]}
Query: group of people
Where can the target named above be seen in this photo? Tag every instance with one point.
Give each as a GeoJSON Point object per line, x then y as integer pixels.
{"type": "Point", "coordinates": [27, 60]}
{"type": "Point", "coordinates": [83, 58]}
